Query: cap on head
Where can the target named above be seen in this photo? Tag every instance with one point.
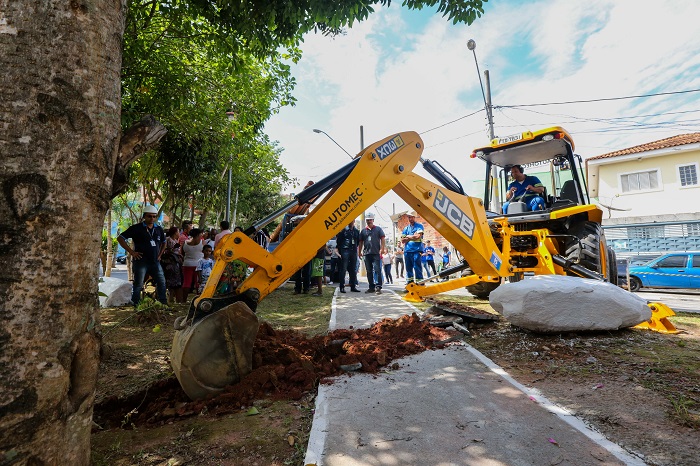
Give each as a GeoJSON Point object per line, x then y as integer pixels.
{"type": "Point", "coordinates": [411, 213]}
{"type": "Point", "coordinates": [149, 209]}
{"type": "Point", "coordinates": [369, 216]}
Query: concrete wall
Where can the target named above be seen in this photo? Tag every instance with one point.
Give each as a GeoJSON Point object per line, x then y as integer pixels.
{"type": "Point", "coordinates": [669, 197]}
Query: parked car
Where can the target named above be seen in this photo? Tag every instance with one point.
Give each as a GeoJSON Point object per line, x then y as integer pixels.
{"type": "Point", "coordinates": [121, 259]}
{"type": "Point", "coordinates": [622, 265]}
{"type": "Point", "coordinates": [675, 270]}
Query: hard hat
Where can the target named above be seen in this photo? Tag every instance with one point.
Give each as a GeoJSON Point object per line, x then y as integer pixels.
{"type": "Point", "coordinates": [149, 209]}
{"type": "Point", "coordinates": [369, 215]}
{"type": "Point", "coordinates": [412, 213]}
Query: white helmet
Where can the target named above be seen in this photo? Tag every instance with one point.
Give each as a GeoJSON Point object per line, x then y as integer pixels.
{"type": "Point", "coordinates": [150, 209]}
{"type": "Point", "coordinates": [369, 215]}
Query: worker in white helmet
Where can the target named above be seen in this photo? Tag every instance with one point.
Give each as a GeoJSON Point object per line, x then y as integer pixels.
{"type": "Point", "coordinates": [372, 246]}
{"type": "Point", "coordinates": [149, 244]}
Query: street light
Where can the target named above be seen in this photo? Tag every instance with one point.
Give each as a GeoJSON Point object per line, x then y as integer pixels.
{"type": "Point", "coordinates": [323, 132]}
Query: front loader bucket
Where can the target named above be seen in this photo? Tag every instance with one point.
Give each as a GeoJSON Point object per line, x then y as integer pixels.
{"type": "Point", "coordinates": [659, 319]}
{"type": "Point", "coordinates": [216, 351]}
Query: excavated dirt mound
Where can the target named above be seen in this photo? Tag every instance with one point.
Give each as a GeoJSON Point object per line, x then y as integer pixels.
{"type": "Point", "coordinates": [286, 366]}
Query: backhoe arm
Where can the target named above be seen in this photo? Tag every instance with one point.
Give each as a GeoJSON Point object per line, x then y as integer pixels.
{"type": "Point", "coordinates": [380, 167]}
{"type": "Point", "coordinates": [462, 221]}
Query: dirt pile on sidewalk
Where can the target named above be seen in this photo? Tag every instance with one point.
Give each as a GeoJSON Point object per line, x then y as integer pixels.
{"type": "Point", "coordinates": [286, 366]}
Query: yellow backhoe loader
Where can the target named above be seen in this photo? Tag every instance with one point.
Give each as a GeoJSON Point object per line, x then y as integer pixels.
{"type": "Point", "coordinates": [213, 344]}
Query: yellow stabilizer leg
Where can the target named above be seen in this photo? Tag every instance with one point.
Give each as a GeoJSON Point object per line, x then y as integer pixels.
{"type": "Point", "coordinates": [659, 319]}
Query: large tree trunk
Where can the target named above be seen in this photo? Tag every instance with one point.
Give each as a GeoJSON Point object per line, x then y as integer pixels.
{"type": "Point", "coordinates": [59, 132]}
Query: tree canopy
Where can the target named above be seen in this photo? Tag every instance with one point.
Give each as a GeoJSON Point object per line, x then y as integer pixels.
{"type": "Point", "coordinates": [189, 62]}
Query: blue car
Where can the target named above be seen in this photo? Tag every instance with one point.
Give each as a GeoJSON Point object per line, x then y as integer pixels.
{"type": "Point", "coordinates": [675, 270]}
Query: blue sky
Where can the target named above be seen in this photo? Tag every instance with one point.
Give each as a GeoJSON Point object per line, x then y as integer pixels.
{"type": "Point", "coordinates": [407, 70]}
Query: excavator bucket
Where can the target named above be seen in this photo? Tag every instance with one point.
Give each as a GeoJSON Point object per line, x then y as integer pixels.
{"type": "Point", "coordinates": [659, 319]}
{"type": "Point", "coordinates": [215, 351]}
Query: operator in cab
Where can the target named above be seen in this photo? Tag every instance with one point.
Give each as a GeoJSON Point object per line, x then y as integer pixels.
{"type": "Point", "coordinates": [524, 188]}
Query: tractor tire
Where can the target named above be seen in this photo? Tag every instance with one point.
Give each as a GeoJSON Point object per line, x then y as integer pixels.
{"type": "Point", "coordinates": [588, 247]}
{"type": "Point", "coordinates": [612, 267]}
{"type": "Point", "coordinates": [482, 290]}
{"type": "Point", "coordinates": [635, 284]}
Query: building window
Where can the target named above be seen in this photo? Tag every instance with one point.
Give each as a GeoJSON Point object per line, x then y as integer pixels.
{"type": "Point", "coordinates": [645, 232]}
{"type": "Point", "coordinates": [688, 174]}
{"type": "Point", "coordinates": [692, 229]}
{"type": "Point", "coordinates": [640, 181]}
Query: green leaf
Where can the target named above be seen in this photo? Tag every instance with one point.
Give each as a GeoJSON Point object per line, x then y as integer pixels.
{"type": "Point", "coordinates": [252, 411]}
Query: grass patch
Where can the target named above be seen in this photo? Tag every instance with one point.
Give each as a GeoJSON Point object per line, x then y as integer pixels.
{"type": "Point", "coordinates": [306, 313]}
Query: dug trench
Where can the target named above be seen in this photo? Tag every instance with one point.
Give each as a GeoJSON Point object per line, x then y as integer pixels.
{"type": "Point", "coordinates": [286, 366]}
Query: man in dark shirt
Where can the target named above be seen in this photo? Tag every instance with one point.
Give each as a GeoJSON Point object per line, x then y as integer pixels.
{"type": "Point", "coordinates": [149, 243]}
{"type": "Point", "coordinates": [346, 242]}
{"type": "Point", "coordinates": [372, 245]}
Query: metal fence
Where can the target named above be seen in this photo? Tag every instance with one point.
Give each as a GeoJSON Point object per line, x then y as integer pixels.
{"type": "Point", "coordinates": [646, 241]}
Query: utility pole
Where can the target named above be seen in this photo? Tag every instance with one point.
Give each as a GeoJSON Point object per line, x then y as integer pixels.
{"type": "Point", "coordinates": [495, 196]}
{"type": "Point", "coordinates": [486, 93]}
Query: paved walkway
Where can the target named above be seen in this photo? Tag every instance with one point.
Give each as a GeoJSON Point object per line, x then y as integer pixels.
{"type": "Point", "coordinates": [445, 407]}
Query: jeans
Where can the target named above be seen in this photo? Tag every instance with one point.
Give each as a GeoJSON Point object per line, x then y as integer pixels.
{"type": "Point", "coordinates": [335, 269]}
{"type": "Point", "coordinates": [532, 202]}
{"type": "Point", "coordinates": [348, 263]}
{"type": "Point", "coordinates": [431, 264]}
{"type": "Point", "coordinates": [413, 266]}
{"type": "Point", "coordinates": [373, 262]}
{"type": "Point", "coordinates": [399, 260]}
{"type": "Point", "coordinates": [387, 273]}
{"type": "Point", "coordinates": [140, 269]}
{"type": "Point", "coordinates": [302, 278]}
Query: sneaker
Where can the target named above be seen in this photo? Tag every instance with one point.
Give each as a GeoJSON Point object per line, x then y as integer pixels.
{"type": "Point", "coordinates": [379, 291]}
{"type": "Point", "coordinates": [371, 290]}
{"type": "Point", "coordinates": [355, 290]}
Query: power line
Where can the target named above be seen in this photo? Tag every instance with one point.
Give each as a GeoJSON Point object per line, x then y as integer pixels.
{"type": "Point", "coordinates": [607, 99]}
{"type": "Point", "coordinates": [453, 121]}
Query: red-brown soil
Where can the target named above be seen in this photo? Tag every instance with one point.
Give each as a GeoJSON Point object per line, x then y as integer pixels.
{"type": "Point", "coordinates": [286, 365]}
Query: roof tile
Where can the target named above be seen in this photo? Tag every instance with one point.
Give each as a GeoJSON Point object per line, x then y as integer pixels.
{"type": "Point", "coordinates": [680, 140]}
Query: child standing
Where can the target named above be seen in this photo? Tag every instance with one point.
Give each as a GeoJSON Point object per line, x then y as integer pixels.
{"type": "Point", "coordinates": [204, 267]}
{"type": "Point", "coordinates": [317, 270]}
{"type": "Point", "coordinates": [446, 256]}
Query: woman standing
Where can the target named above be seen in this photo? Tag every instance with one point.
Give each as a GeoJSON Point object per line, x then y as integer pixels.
{"type": "Point", "coordinates": [192, 250]}
{"type": "Point", "coordinates": [171, 261]}
{"type": "Point", "coordinates": [387, 259]}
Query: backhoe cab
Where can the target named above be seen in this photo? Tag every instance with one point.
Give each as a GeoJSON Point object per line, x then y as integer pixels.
{"type": "Point", "coordinates": [565, 237]}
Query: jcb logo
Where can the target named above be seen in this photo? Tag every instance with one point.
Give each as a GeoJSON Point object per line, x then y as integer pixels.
{"type": "Point", "coordinates": [454, 214]}
{"type": "Point", "coordinates": [389, 147]}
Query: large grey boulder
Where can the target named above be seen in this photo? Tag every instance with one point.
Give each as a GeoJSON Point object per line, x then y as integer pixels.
{"type": "Point", "coordinates": [556, 303]}
{"type": "Point", "coordinates": [118, 292]}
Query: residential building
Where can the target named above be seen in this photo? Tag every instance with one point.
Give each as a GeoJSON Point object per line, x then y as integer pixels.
{"type": "Point", "coordinates": [649, 193]}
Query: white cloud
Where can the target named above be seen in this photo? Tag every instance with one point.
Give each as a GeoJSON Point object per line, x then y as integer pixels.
{"type": "Point", "coordinates": [389, 76]}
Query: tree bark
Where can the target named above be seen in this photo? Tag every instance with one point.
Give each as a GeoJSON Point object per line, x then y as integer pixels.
{"type": "Point", "coordinates": [59, 131]}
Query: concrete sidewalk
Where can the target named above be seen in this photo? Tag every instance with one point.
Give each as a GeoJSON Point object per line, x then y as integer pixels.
{"type": "Point", "coordinates": [445, 407]}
